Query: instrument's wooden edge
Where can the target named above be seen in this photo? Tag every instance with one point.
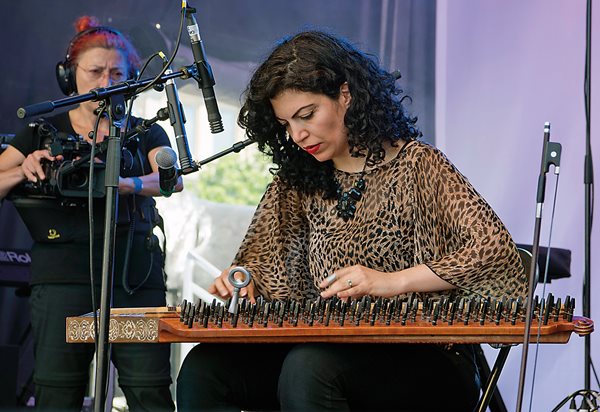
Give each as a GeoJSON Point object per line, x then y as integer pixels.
{"type": "Point", "coordinates": [160, 327]}
{"type": "Point", "coordinates": [168, 337]}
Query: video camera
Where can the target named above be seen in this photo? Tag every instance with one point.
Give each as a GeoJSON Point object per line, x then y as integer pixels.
{"type": "Point", "coordinates": [68, 177]}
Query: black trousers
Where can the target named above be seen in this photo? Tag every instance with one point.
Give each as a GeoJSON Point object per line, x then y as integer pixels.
{"type": "Point", "coordinates": [61, 370]}
{"type": "Point", "coordinates": [334, 377]}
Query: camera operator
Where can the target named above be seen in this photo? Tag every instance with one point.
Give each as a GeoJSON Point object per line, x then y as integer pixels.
{"type": "Point", "coordinates": [60, 284]}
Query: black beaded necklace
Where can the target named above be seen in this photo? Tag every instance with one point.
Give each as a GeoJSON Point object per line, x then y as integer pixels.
{"type": "Point", "coordinates": [346, 206]}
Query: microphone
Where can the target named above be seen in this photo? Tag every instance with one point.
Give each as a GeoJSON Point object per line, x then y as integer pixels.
{"type": "Point", "coordinates": [207, 80]}
{"type": "Point", "coordinates": [177, 119]}
{"type": "Point", "coordinates": [166, 158]}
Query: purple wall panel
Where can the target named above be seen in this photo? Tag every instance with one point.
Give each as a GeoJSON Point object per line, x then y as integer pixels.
{"type": "Point", "coordinates": [503, 69]}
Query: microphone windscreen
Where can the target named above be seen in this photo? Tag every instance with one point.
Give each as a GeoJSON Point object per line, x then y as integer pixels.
{"type": "Point", "coordinates": [166, 158]}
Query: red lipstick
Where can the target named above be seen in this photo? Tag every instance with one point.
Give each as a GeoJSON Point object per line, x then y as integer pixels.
{"type": "Point", "coordinates": [313, 148]}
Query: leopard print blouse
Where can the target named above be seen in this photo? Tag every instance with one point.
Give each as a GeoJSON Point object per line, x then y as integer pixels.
{"type": "Point", "coordinates": [416, 209]}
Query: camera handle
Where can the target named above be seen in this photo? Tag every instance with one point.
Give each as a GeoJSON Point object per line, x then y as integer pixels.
{"type": "Point", "coordinates": [115, 105]}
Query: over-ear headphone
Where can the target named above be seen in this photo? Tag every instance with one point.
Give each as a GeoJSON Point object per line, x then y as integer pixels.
{"type": "Point", "coordinates": [65, 72]}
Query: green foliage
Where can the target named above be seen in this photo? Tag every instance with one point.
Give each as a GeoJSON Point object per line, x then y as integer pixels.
{"type": "Point", "coordinates": [233, 179]}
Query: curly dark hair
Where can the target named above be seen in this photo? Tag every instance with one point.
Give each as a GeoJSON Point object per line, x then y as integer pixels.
{"type": "Point", "coordinates": [319, 62]}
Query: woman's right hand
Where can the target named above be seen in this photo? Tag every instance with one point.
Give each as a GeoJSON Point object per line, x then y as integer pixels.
{"type": "Point", "coordinates": [223, 288]}
{"type": "Point", "coordinates": [32, 167]}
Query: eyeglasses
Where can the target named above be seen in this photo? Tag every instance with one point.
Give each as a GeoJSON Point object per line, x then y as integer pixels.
{"type": "Point", "coordinates": [96, 73]}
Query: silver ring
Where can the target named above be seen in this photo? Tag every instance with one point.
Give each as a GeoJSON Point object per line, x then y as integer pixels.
{"type": "Point", "coordinates": [330, 279]}
{"type": "Point", "coordinates": [349, 283]}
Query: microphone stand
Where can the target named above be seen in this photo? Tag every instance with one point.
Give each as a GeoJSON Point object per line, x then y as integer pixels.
{"type": "Point", "coordinates": [550, 155]}
{"type": "Point", "coordinates": [127, 88]}
{"type": "Point", "coordinates": [588, 174]}
{"type": "Point", "coordinates": [116, 112]}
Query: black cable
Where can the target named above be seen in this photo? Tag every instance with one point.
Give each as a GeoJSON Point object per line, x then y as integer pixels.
{"type": "Point", "coordinates": [125, 270]}
{"type": "Point", "coordinates": [145, 66]}
{"type": "Point", "coordinates": [91, 223]}
{"type": "Point", "coordinates": [539, 328]}
{"type": "Point", "coordinates": [130, 235]}
{"type": "Point", "coordinates": [178, 41]}
{"type": "Point", "coordinates": [131, 101]}
{"type": "Point", "coordinates": [594, 370]}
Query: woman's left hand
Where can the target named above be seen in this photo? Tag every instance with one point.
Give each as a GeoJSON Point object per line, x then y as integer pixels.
{"type": "Point", "coordinates": [357, 281]}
